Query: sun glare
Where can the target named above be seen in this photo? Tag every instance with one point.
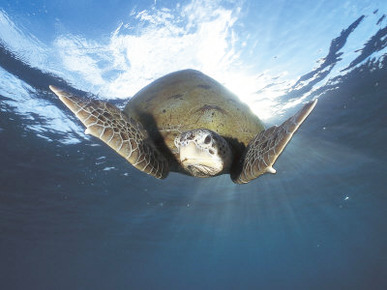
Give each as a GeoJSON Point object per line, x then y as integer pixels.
{"type": "Point", "coordinates": [198, 35]}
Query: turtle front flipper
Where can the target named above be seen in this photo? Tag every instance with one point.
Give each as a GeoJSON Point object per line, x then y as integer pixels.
{"type": "Point", "coordinates": [125, 135]}
{"type": "Point", "coordinates": [264, 149]}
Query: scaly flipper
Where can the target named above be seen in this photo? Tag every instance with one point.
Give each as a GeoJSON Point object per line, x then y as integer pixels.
{"type": "Point", "coordinates": [125, 135]}
{"type": "Point", "coordinates": [264, 149]}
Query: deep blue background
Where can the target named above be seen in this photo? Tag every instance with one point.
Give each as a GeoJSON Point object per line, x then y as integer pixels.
{"type": "Point", "coordinates": [320, 223]}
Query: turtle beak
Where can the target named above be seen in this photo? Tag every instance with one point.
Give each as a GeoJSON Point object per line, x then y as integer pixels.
{"type": "Point", "coordinates": [191, 153]}
{"type": "Point", "coordinates": [198, 161]}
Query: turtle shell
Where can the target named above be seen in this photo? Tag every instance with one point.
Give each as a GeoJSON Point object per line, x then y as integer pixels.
{"type": "Point", "coordinates": [187, 100]}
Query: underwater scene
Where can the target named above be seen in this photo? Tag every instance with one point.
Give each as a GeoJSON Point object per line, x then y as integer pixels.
{"type": "Point", "coordinates": [76, 215]}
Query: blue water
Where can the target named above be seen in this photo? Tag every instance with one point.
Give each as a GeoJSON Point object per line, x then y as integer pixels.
{"type": "Point", "coordinates": [74, 215]}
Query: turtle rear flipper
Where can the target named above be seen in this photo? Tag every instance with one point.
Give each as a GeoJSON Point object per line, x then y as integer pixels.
{"type": "Point", "coordinates": [264, 149]}
{"type": "Point", "coordinates": [123, 134]}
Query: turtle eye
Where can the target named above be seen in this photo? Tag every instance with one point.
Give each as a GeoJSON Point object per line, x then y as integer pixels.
{"type": "Point", "coordinates": [207, 140]}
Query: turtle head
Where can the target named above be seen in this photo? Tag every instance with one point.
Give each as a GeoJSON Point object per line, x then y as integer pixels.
{"type": "Point", "coordinates": [203, 152]}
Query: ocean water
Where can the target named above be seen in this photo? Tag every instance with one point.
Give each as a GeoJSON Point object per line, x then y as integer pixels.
{"type": "Point", "coordinates": [74, 215]}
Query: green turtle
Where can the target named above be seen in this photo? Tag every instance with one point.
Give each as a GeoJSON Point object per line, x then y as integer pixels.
{"type": "Point", "coordinates": [189, 123]}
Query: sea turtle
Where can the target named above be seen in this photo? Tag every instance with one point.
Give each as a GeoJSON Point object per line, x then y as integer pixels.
{"type": "Point", "coordinates": [189, 123]}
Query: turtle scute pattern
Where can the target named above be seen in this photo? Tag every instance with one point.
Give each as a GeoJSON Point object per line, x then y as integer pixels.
{"type": "Point", "coordinates": [266, 147]}
{"type": "Point", "coordinates": [125, 135]}
{"type": "Point", "coordinates": [261, 154]}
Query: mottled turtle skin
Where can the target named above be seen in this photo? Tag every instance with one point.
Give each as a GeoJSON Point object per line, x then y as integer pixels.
{"type": "Point", "coordinates": [188, 100]}
{"type": "Point", "coordinates": [188, 123]}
